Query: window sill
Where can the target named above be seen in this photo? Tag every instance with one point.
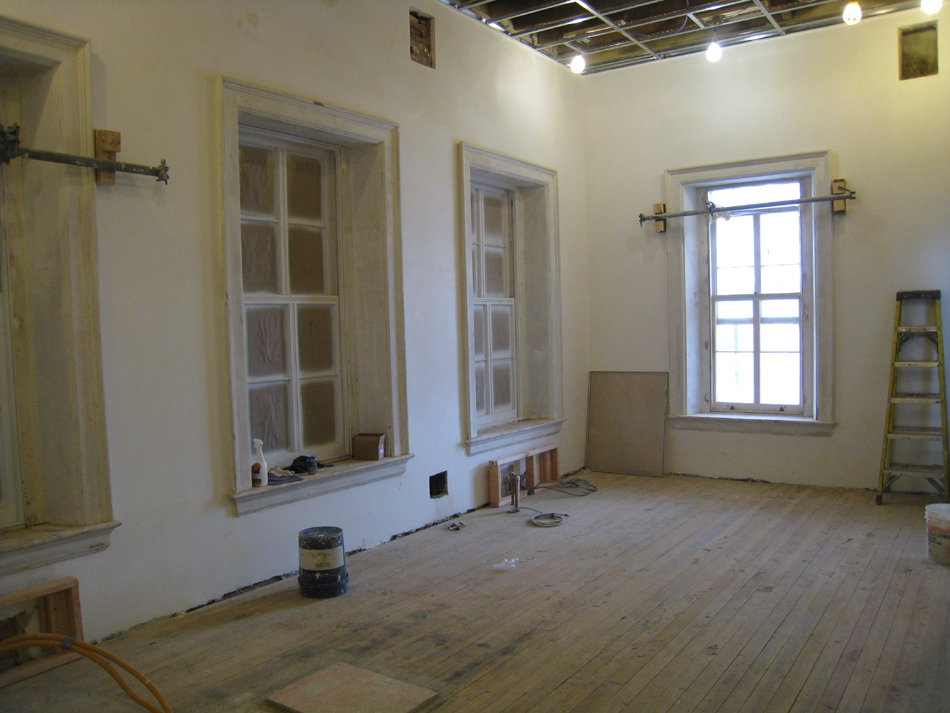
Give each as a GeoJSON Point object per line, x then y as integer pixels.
{"type": "Point", "coordinates": [508, 434]}
{"type": "Point", "coordinates": [344, 474]}
{"type": "Point", "coordinates": [29, 547]}
{"type": "Point", "coordinates": [750, 423]}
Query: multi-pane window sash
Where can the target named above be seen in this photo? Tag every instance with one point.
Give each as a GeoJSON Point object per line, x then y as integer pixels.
{"type": "Point", "coordinates": [291, 297]}
{"type": "Point", "coordinates": [494, 309]}
{"type": "Point", "coordinates": [758, 301]}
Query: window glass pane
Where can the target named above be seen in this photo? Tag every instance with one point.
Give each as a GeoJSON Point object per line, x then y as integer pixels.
{"type": "Point", "coordinates": [781, 240]}
{"type": "Point", "coordinates": [781, 379]}
{"type": "Point", "coordinates": [780, 338]}
{"type": "Point", "coordinates": [304, 197]}
{"type": "Point", "coordinates": [495, 228]}
{"type": "Point", "coordinates": [735, 245]}
{"type": "Point", "coordinates": [780, 308]}
{"type": "Point", "coordinates": [502, 375]}
{"type": "Point", "coordinates": [501, 331]}
{"type": "Point", "coordinates": [270, 415]}
{"type": "Point", "coordinates": [735, 281]}
{"type": "Point", "coordinates": [312, 262]}
{"type": "Point", "coordinates": [266, 335]}
{"type": "Point", "coordinates": [734, 338]}
{"type": "Point", "coordinates": [734, 377]}
{"type": "Point", "coordinates": [762, 193]}
{"type": "Point", "coordinates": [480, 388]}
{"type": "Point", "coordinates": [495, 272]}
{"type": "Point", "coordinates": [257, 180]}
{"type": "Point", "coordinates": [734, 309]}
{"type": "Point", "coordinates": [259, 257]}
{"type": "Point", "coordinates": [779, 279]}
{"type": "Point", "coordinates": [316, 337]}
{"type": "Point", "coordinates": [478, 329]}
{"type": "Point", "coordinates": [318, 406]}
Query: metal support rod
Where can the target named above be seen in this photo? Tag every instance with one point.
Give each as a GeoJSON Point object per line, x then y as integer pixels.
{"type": "Point", "coordinates": [711, 208]}
{"type": "Point", "coordinates": [10, 149]}
{"type": "Point", "coordinates": [160, 172]}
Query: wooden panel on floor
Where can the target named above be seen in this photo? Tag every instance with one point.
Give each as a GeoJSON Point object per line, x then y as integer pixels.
{"type": "Point", "coordinates": [626, 422]}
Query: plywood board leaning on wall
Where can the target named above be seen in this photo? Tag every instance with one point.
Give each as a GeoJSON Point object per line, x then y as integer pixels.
{"type": "Point", "coordinates": [626, 422]}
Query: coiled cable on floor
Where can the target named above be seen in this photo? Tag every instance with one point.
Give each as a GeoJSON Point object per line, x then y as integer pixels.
{"type": "Point", "coordinates": [544, 519]}
{"type": "Point", "coordinates": [93, 653]}
{"type": "Point", "coordinates": [548, 519]}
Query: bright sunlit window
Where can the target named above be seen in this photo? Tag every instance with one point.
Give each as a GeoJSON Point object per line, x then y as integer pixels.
{"type": "Point", "coordinates": [757, 300]}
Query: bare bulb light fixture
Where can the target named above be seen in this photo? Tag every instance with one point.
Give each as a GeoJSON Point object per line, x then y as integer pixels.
{"type": "Point", "coordinates": [852, 14]}
{"type": "Point", "coordinates": [578, 64]}
{"type": "Point", "coordinates": [713, 52]}
{"type": "Point", "coordinates": [931, 7]}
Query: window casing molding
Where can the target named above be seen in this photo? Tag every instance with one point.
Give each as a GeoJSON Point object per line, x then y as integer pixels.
{"type": "Point", "coordinates": [688, 273]}
{"type": "Point", "coordinates": [51, 247]}
{"type": "Point", "coordinates": [370, 280]}
{"type": "Point", "coordinates": [537, 290]}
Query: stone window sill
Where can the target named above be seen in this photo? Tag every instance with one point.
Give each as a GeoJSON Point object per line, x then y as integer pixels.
{"type": "Point", "coordinates": [511, 433]}
{"type": "Point", "coordinates": [749, 423]}
{"type": "Point", "coordinates": [29, 547]}
{"type": "Point", "coordinates": [343, 474]}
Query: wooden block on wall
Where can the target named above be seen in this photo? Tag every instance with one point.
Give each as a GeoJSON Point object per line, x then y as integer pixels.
{"type": "Point", "coordinates": [108, 145]}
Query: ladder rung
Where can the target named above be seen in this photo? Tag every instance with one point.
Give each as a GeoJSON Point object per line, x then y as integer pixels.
{"type": "Point", "coordinates": [920, 364]}
{"type": "Point", "coordinates": [924, 471]}
{"type": "Point", "coordinates": [917, 329]}
{"type": "Point", "coordinates": [915, 399]}
{"type": "Point", "coordinates": [916, 432]}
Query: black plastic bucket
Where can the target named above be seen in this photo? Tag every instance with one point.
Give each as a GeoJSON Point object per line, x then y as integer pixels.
{"type": "Point", "coordinates": [322, 562]}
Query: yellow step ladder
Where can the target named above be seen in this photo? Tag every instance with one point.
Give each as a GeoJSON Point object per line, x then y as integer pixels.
{"type": "Point", "coordinates": [911, 418]}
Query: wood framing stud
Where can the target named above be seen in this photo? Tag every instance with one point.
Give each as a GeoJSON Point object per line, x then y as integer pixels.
{"type": "Point", "coordinates": [540, 466]}
{"type": "Point", "coordinates": [839, 185]}
{"type": "Point", "coordinates": [59, 613]}
{"type": "Point", "coordinates": [108, 144]}
{"type": "Point", "coordinates": [659, 226]}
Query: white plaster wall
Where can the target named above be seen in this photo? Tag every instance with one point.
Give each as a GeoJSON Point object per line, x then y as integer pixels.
{"type": "Point", "coordinates": [834, 89]}
{"type": "Point", "coordinates": [161, 270]}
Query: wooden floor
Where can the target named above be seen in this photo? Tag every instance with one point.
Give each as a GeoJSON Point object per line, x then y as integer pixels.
{"type": "Point", "coordinates": [671, 594]}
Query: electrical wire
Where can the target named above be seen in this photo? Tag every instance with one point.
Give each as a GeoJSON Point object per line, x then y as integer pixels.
{"type": "Point", "coordinates": [568, 486]}
{"type": "Point", "coordinates": [544, 519]}
{"type": "Point", "coordinates": [95, 654]}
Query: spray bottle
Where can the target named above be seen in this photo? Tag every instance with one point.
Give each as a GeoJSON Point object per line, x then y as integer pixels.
{"type": "Point", "coordinates": [258, 465]}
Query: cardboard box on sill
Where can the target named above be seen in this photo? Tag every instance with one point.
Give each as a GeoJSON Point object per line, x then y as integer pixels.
{"type": "Point", "coordinates": [369, 446]}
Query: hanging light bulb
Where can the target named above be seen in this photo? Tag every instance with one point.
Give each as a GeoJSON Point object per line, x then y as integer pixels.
{"type": "Point", "coordinates": [852, 14]}
{"type": "Point", "coordinates": [713, 52]}
{"type": "Point", "coordinates": [931, 7]}
{"type": "Point", "coordinates": [578, 64]}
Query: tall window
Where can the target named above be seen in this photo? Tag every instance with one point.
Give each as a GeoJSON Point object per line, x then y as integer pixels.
{"type": "Point", "coordinates": [757, 298]}
{"type": "Point", "coordinates": [512, 358]}
{"type": "Point", "coordinates": [493, 306]}
{"type": "Point", "coordinates": [289, 261]}
{"type": "Point", "coordinates": [752, 297]}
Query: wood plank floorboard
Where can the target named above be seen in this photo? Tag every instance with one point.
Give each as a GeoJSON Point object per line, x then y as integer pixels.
{"type": "Point", "coordinates": [656, 595]}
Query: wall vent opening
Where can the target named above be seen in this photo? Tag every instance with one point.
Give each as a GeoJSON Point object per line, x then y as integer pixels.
{"type": "Point", "coordinates": [439, 485]}
{"type": "Point", "coordinates": [421, 45]}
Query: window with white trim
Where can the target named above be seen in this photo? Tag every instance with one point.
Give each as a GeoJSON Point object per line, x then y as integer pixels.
{"type": "Point", "coordinates": [291, 296]}
{"type": "Point", "coordinates": [751, 297]}
{"type": "Point", "coordinates": [314, 285]}
{"type": "Point", "coordinates": [759, 295]}
{"type": "Point", "coordinates": [511, 296]}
